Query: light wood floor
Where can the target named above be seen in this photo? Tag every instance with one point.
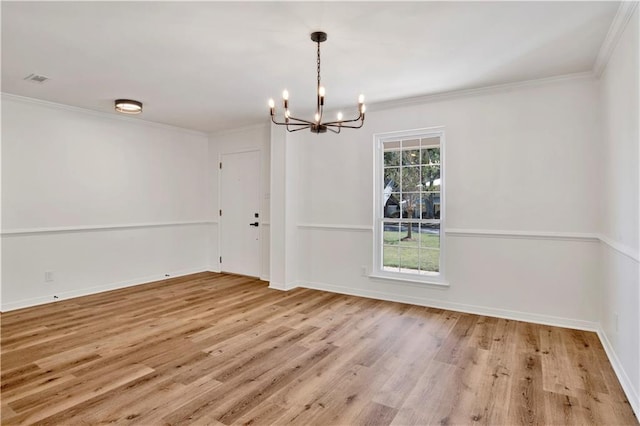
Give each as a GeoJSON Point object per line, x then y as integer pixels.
{"type": "Point", "coordinates": [221, 349]}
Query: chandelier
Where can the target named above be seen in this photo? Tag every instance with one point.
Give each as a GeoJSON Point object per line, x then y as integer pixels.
{"type": "Point", "coordinates": [294, 124]}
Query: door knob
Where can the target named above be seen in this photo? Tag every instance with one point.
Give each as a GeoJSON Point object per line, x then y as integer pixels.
{"type": "Point", "coordinates": [254, 224]}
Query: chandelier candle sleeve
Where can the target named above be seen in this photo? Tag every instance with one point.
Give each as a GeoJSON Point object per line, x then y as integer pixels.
{"type": "Point", "coordinates": [293, 124]}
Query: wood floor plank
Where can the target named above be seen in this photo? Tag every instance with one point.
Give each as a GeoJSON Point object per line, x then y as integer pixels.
{"type": "Point", "coordinates": [170, 401]}
{"type": "Point", "coordinates": [375, 414]}
{"type": "Point", "coordinates": [432, 400]}
{"type": "Point", "coordinates": [411, 355]}
{"type": "Point", "coordinates": [37, 407]}
{"type": "Point", "coordinates": [263, 414]}
{"type": "Point", "coordinates": [220, 349]}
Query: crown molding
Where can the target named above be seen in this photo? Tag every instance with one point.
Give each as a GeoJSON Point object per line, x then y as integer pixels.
{"type": "Point", "coordinates": [423, 99]}
{"type": "Point", "coordinates": [618, 25]}
{"type": "Point", "coordinates": [101, 114]}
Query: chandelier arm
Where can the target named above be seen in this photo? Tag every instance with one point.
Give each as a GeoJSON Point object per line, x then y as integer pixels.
{"type": "Point", "coordinates": [361, 117]}
{"type": "Point", "coordinates": [332, 130]}
{"type": "Point", "coordinates": [354, 127]}
{"type": "Point", "coordinates": [275, 122]}
{"type": "Point", "coordinates": [301, 120]}
{"type": "Point", "coordinates": [284, 123]}
{"type": "Point", "coordinates": [345, 126]}
{"type": "Point", "coordinates": [295, 130]}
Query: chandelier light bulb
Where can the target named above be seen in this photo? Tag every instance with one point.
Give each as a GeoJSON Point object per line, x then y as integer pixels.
{"type": "Point", "coordinates": [287, 114]}
{"type": "Point", "coordinates": [339, 116]}
{"type": "Point", "coordinates": [321, 91]}
{"type": "Point", "coordinates": [317, 117]}
{"type": "Point", "coordinates": [272, 104]}
{"type": "Point", "coordinates": [361, 99]}
{"type": "Point", "coordinates": [285, 94]}
{"type": "Point", "coordinates": [363, 108]}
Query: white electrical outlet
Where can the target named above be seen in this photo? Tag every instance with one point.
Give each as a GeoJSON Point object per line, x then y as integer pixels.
{"type": "Point", "coordinates": [48, 276]}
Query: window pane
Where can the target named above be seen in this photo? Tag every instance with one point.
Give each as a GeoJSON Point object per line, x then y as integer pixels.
{"type": "Point", "coordinates": [392, 158]}
{"type": "Point", "coordinates": [430, 235]}
{"type": "Point", "coordinates": [390, 258]}
{"type": "Point", "coordinates": [391, 234]}
{"type": "Point", "coordinates": [433, 141]}
{"type": "Point", "coordinates": [411, 205]}
{"type": "Point", "coordinates": [392, 205]}
{"type": "Point", "coordinates": [410, 157]}
{"type": "Point", "coordinates": [410, 144]}
{"type": "Point", "coordinates": [392, 179]}
{"type": "Point", "coordinates": [430, 205]}
{"type": "Point", "coordinates": [409, 235]}
{"type": "Point", "coordinates": [409, 258]}
{"type": "Point", "coordinates": [411, 179]}
{"type": "Point", "coordinates": [430, 260]}
{"type": "Point", "coordinates": [430, 156]}
{"type": "Point", "coordinates": [430, 178]}
{"type": "Point", "coordinates": [392, 145]}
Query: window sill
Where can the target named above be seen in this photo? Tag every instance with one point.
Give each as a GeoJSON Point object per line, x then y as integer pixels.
{"type": "Point", "coordinates": [421, 281]}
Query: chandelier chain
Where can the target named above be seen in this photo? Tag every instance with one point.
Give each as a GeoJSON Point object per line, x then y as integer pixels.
{"type": "Point", "coordinates": [318, 64]}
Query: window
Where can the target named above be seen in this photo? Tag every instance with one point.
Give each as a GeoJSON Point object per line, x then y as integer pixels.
{"type": "Point", "coordinates": [409, 205]}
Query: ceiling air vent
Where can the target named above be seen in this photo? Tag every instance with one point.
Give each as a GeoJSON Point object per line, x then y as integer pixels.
{"type": "Point", "coordinates": [36, 78]}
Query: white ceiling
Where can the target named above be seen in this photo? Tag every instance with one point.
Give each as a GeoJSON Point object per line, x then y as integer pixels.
{"type": "Point", "coordinates": [213, 65]}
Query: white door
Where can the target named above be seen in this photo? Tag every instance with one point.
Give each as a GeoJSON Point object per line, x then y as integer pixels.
{"type": "Point", "coordinates": [239, 219]}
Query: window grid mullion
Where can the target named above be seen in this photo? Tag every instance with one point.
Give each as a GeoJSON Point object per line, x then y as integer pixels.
{"type": "Point", "coordinates": [420, 208]}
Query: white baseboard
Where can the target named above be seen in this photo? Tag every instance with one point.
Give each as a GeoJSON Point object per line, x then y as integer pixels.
{"type": "Point", "coordinates": [282, 286]}
{"type": "Point", "coordinates": [459, 307]}
{"type": "Point", "coordinates": [27, 303]}
{"type": "Point", "coordinates": [625, 382]}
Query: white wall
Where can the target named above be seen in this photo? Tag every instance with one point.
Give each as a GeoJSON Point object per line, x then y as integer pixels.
{"type": "Point", "coordinates": [253, 138]}
{"type": "Point", "coordinates": [520, 167]}
{"type": "Point", "coordinates": [101, 201]}
{"type": "Point", "coordinates": [620, 297]}
{"type": "Point", "coordinates": [284, 248]}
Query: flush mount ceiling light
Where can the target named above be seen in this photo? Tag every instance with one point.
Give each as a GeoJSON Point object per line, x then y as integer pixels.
{"type": "Point", "coordinates": [127, 106]}
{"type": "Point", "coordinates": [294, 124]}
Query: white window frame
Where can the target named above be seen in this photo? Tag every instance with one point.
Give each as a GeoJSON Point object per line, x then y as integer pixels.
{"type": "Point", "coordinates": [435, 278]}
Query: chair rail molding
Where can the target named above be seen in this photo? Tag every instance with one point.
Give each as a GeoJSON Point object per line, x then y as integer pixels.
{"type": "Point", "coordinates": [89, 228]}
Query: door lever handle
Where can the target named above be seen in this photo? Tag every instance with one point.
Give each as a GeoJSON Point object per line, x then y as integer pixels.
{"type": "Point", "coordinates": [254, 224]}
